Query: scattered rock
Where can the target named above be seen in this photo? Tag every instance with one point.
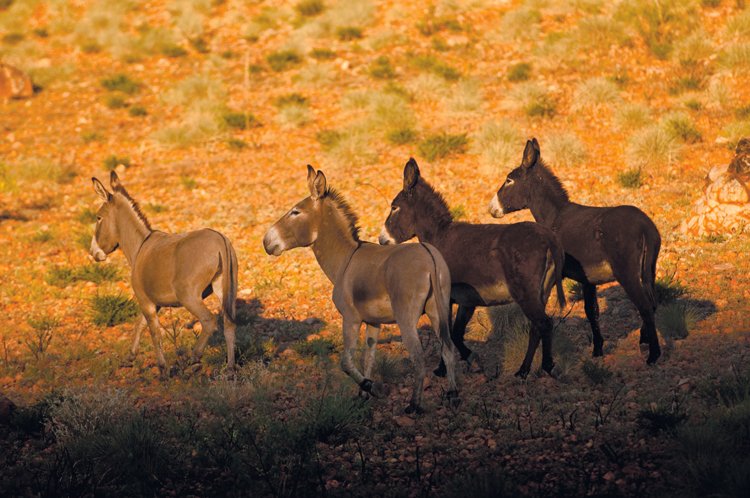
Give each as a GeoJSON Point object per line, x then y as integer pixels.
{"type": "Point", "coordinates": [14, 83]}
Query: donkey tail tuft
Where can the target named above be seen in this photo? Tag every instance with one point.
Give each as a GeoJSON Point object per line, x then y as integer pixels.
{"type": "Point", "coordinates": [229, 280]}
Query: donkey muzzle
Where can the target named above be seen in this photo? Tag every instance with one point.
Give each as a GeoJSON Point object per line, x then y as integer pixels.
{"type": "Point", "coordinates": [496, 210]}
{"type": "Point", "coordinates": [272, 242]}
{"type": "Point", "coordinates": [96, 251]}
{"type": "Point", "coordinates": [385, 237]}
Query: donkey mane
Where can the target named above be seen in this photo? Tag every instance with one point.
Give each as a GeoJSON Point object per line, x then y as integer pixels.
{"type": "Point", "coordinates": [550, 182]}
{"type": "Point", "coordinates": [345, 209]}
{"type": "Point", "coordinates": [433, 202]}
{"type": "Point", "coordinates": [133, 204]}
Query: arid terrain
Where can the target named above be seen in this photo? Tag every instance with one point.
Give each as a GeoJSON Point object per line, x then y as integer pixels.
{"type": "Point", "coordinates": [210, 110]}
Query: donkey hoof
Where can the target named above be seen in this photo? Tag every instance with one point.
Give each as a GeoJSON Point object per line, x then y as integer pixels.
{"type": "Point", "coordinates": [652, 357]}
{"type": "Point", "coordinates": [453, 399]}
{"type": "Point", "coordinates": [413, 408]}
{"type": "Point", "coordinates": [441, 370]}
{"type": "Point", "coordinates": [364, 395]}
{"type": "Point", "coordinates": [597, 353]}
{"type": "Point", "coordinates": [473, 363]}
{"type": "Point", "coordinates": [549, 367]}
{"type": "Point", "coordinates": [522, 373]}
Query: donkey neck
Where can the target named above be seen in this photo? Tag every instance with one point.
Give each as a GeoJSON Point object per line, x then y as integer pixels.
{"type": "Point", "coordinates": [335, 244]}
{"type": "Point", "coordinates": [545, 201]}
{"type": "Point", "coordinates": [132, 230]}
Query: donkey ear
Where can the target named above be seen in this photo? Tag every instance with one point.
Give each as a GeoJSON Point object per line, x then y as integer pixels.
{"type": "Point", "coordinates": [318, 187]}
{"type": "Point", "coordinates": [530, 153]}
{"type": "Point", "coordinates": [114, 180]}
{"type": "Point", "coordinates": [311, 178]}
{"type": "Point", "coordinates": [411, 174]}
{"type": "Point", "coordinates": [100, 189]}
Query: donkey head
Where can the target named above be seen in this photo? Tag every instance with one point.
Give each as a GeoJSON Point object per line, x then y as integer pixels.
{"type": "Point", "coordinates": [106, 235]}
{"type": "Point", "coordinates": [401, 222]}
{"type": "Point", "coordinates": [514, 194]}
{"type": "Point", "coordinates": [299, 226]}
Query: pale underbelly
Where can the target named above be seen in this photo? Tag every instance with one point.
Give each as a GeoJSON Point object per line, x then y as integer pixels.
{"type": "Point", "coordinates": [600, 273]}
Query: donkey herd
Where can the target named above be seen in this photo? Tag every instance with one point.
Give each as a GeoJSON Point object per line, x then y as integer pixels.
{"type": "Point", "coordinates": [454, 262]}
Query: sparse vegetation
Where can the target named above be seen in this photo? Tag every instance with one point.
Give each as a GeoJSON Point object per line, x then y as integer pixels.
{"type": "Point", "coordinates": [651, 147]}
{"type": "Point", "coordinates": [240, 120]}
{"type": "Point", "coordinates": [594, 93]}
{"type": "Point", "coordinates": [565, 150]}
{"type": "Point", "coordinates": [519, 72]}
{"type": "Point", "coordinates": [108, 310]}
{"type": "Point", "coordinates": [630, 178]}
{"type": "Point", "coordinates": [137, 111]}
{"type": "Point", "coordinates": [121, 83]}
{"type": "Point", "coordinates": [632, 116]}
{"type": "Point", "coordinates": [39, 340]}
{"type": "Point", "coordinates": [669, 289]}
{"type": "Point", "coordinates": [349, 33]}
{"type": "Point", "coordinates": [498, 144]}
{"type": "Point", "coordinates": [680, 127]}
{"type": "Point", "coordinates": [310, 8]}
{"type": "Point", "coordinates": [62, 276]}
{"type": "Point", "coordinates": [433, 65]}
{"type": "Point", "coordinates": [533, 99]}
{"type": "Point", "coordinates": [283, 60]}
{"type": "Point", "coordinates": [596, 372]}
{"type": "Point", "coordinates": [676, 319]}
{"type": "Point", "coordinates": [440, 145]}
{"type": "Point", "coordinates": [382, 68]}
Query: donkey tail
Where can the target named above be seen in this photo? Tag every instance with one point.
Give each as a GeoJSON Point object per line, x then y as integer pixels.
{"type": "Point", "coordinates": [229, 280]}
{"type": "Point", "coordinates": [651, 243]}
{"type": "Point", "coordinates": [439, 287]}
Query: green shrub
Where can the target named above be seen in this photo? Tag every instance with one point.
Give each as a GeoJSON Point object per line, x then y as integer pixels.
{"type": "Point", "coordinates": [318, 347]}
{"type": "Point", "coordinates": [498, 143]}
{"type": "Point", "coordinates": [388, 369]}
{"type": "Point", "coordinates": [519, 72]}
{"type": "Point", "coordinates": [596, 372]}
{"type": "Point", "coordinates": [310, 8]}
{"type": "Point", "coordinates": [659, 23]}
{"type": "Point", "coordinates": [630, 178]}
{"type": "Point", "coordinates": [332, 419]}
{"type": "Point", "coordinates": [289, 100]}
{"type": "Point", "coordinates": [632, 116]}
{"type": "Point", "coordinates": [532, 99]}
{"type": "Point", "coordinates": [382, 69]}
{"type": "Point", "coordinates": [668, 289]}
{"type": "Point", "coordinates": [39, 340]}
{"type": "Point", "coordinates": [734, 131]}
{"type": "Point", "coordinates": [675, 320]}
{"type": "Point", "coordinates": [121, 83]}
{"type": "Point", "coordinates": [660, 418]}
{"type": "Point", "coordinates": [565, 149]}
{"type": "Point", "coordinates": [401, 136]}
{"type": "Point", "coordinates": [173, 51]}
{"type": "Point", "coordinates": [109, 310]}
{"type": "Point", "coordinates": [283, 60]}
{"type": "Point", "coordinates": [440, 145]}
{"type": "Point", "coordinates": [349, 33]}
{"type": "Point", "coordinates": [651, 147]}
{"type": "Point", "coordinates": [432, 64]}
{"type": "Point", "coordinates": [138, 111]}
{"type": "Point", "coordinates": [574, 290]}
{"type": "Point", "coordinates": [681, 127]}
{"type": "Point", "coordinates": [236, 144]}
{"type": "Point", "coordinates": [594, 93]}
{"type": "Point", "coordinates": [97, 273]}
{"type": "Point", "coordinates": [115, 102]}
{"type": "Point", "coordinates": [322, 54]}
{"type": "Point", "coordinates": [112, 162]}
{"type": "Point", "coordinates": [188, 182]}
{"type": "Point", "coordinates": [240, 120]}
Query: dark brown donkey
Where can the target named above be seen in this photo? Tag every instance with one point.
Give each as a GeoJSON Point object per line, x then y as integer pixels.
{"type": "Point", "coordinates": [489, 264]}
{"type": "Point", "coordinates": [602, 244]}
{"type": "Point", "coordinates": [371, 284]}
{"type": "Point", "coordinates": [168, 270]}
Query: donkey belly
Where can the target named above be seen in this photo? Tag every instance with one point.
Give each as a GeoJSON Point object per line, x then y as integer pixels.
{"type": "Point", "coordinates": [599, 273]}
{"type": "Point", "coordinates": [485, 295]}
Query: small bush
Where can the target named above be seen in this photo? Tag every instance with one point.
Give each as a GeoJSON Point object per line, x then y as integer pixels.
{"type": "Point", "coordinates": [43, 330]}
{"type": "Point", "coordinates": [43, 236]}
{"type": "Point", "coordinates": [388, 369]}
{"type": "Point", "coordinates": [519, 72]}
{"type": "Point", "coordinates": [675, 320]}
{"type": "Point", "coordinates": [630, 178]}
{"type": "Point", "coordinates": [290, 99]}
{"type": "Point", "coordinates": [382, 69]}
{"type": "Point", "coordinates": [521, 23]}
{"type": "Point", "coordinates": [734, 131]}
{"type": "Point", "coordinates": [632, 116]}
{"type": "Point", "coordinates": [681, 127]}
{"type": "Point", "coordinates": [532, 99]}
{"type": "Point", "coordinates": [188, 182]}
{"type": "Point", "coordinates": [173, 51]}
{"type": "Point", "coordinates": [651, 147]}
{"type": "Point", "coordinates": [138, 111]}
{"type": "Point", "coordinates": [736, 56]}
{"type": "Point", "coordinates": [236, 144]}
{"type": "Point", "coordinates": [319, 347]}
{"type": "Point", "coordinates": [668, 289]}
{"type": "Point", "coordinates": [565, 149]}
{"type": "Point", "coordinates": [121, 83]}
{"type": "Point", "coordinates": [109, 310]}
{"type": "Point", "coordinates": [91, 136]}
{"type": "Point", "coordinates": [283, 60]}
{"type": "Point", "coordinates": [659, 418]}
{"type": "Point", "coordinates": [112, 162]}
{"type": "Point", "coordinates": [310, 8]}
{"type": "Point", "coordinates": [574, 290]}
{"type": "Point", "coordinates": [328, 138]}
{"type": "Point", "coordinates": [594, 93]}
{"type": "Point", "coordinates": [115, 102]}
{"type": "Point", "coordinates": [597, 373]}
{"type": "Point", "coordinates": [401, 136]}
{"type": "Point", "coordinates": [441, 145]}
{"type": "Point", "coordinates": [498, 143]}
{"type": "Point", "coordinates": [322, 54]}
{"type": "Point", "coordinates": [659, 23]}
{"type": "Point", "coordinates": [240, 120]}
{"type": "Point", "coordinates": [293, 115]}
{"type": "Point", "coordinates": [333, 419]}
{"type": "Point", "coordinates": [349, 33]}
{"type": "Point", "coordinates": [432, 64]}
{"type": "Point", "coordinates": [97, 273]}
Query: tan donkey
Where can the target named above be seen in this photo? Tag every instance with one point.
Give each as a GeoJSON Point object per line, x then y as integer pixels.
{"type": "Point", "coordinates": [168, 270]}
{"type": "Point", "coordinates": [372, 284]}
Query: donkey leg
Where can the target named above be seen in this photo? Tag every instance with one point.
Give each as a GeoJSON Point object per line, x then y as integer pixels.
{"type": "Point", "coordinates": [371, 333]}
{"type": "Point", "coordinates": [410, 337]}
{"type": "Point", "coordinates": [447, 349]}
{"type": "Point", "coordinates": [541, 328]}
{"type": "Point", "coordinates": [139, 326]}
{"type": "Point", "coordinates": [591, 305]}
{"type": "Point", "coordinates": [350, 329]}
{"type": "Point", "coordinates": [154, 328]}
{"type": "Point", "coordinates": [230, 338]}
{"type": "Point", "coordinates": [463, 316]}
{"type": "Point", "coordinates": [636, 293]}
{"type": "Point", "coordinates": [195, 305]}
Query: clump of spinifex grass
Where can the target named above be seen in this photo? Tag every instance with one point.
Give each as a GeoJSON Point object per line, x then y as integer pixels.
{"type": "Point", "coordinates": [675, 320]}
{"type": "Point", "coordinates": [112, 309]}
{"type": "Point", "coordinates": [284, 60]}
{"type": "Point", "coordinates": [519, 72]}
{"type": "Point", "coordinates": [631, 178]}
{"type": "Point", "coordinates": [498, 143]}
{"type": "Point", "coordinates": [62, 276]}
{"type": "Point", "coordinates": [652, 147]}
{"type": "Point", "coordinates": [533, 99]}
{"type": "Point", "coordinates": [440, 145]}
{"type": "Point", "coordinates": [565, 149]}
{"type": "Point", "coordinates": [432, 64]}
{"type": "Point", "coordinates": [121, 83]}
{"type": "Point", "coordinates": [594, 93]}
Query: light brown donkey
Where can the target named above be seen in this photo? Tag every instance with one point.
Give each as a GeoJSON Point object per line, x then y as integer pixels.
{"type": "Point", "coordinates": [168, 270]}
{"type": "Point", "coordinates": [372, 284]}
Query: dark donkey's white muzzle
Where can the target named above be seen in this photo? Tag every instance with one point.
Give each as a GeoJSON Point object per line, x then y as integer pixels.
{"type": "Point", "coordinates": [496, 210]}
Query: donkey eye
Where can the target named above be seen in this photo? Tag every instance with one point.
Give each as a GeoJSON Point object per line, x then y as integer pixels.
{"type": "Point", "coordinates": [509, 181]}
{"type": "Point", "coordinates": [98, 219]}
{"type": "Point", "coordinates": [294, 212]}
{"type": "Point", "coordinates": [394, 209]}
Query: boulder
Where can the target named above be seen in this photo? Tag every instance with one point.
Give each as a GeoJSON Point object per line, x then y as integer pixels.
{"type": "Point", "coordinates": [724, 207]}
{"type": "Point", "coordinates": [14, 83]}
